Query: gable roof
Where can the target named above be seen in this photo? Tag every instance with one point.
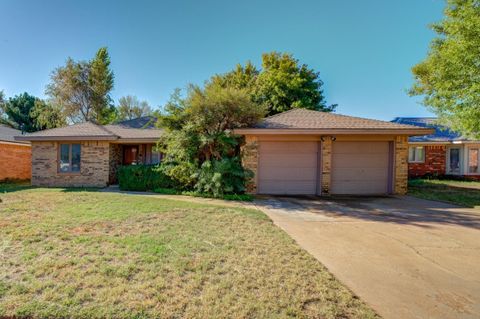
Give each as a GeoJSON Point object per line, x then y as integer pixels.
{"type": "Point", "coordinates": [123, 131]}
{"type": "Point", "coordinates": [7, 134]}
{"type": "Point", "coordinates": [440, 134]}
{"type": "Point", "coordinates": [298, 121]}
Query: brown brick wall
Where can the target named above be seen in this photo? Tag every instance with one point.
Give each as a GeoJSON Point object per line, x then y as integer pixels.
{"type": "Point", "coordinates": [94, 165]}
{"type": "Point", "coordinates": [326, 165]}
{"type": "Point", "coordinates": [15, 161]}
{"type": "Point", "coordinates": [435, 161]}
{"type": "Point", "coordinates": [115, 160]}
{"type": "Point", "coordinates": [401, 165]}
{"type": "Point", "coordinates": [250, 161]}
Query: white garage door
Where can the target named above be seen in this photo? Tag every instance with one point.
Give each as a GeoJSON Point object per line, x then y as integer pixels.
{"type": "Point", "coordinates": [287, 168]}
{"type": "Point", "coordinates": [360, 168]}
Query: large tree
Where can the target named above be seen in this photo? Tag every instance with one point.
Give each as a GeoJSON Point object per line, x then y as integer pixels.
{"type": "Point", "coordinates": [282, 84]}
{"type": "Point", "coordinates": [201, 149]}
{"type": "Point", "coordinates": [18, 112]}
{"type": "Point", "coordinates": [130, 107]}
{"type": "Point", "coordinates": [449, 77]}
{"type": "Point", "coordinates": [83, 88]}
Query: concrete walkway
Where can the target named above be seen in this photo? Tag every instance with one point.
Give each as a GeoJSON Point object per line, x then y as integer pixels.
{"type": "Point", "coordinates": [406, 257]}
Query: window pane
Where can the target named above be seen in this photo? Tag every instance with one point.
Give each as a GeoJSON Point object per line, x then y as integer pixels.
{"type": "Point", "coordinates": [76, 151]}
{"type": "Point", "coordinates": [419, 154]}
{"type": "Point", "coordinates": [156, 157]}
{"type": "Point", "coordinates": [473, 160]}
{"type": "Point", "coordinates": [454, 160]}
{"type": "Point", "coordinates": [64, 158]}
{"type": "Point", "coordinates": [411, 154]}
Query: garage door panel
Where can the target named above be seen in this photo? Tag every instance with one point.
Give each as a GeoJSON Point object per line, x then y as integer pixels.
{"type": "Point", "coordinates": [360, 168]}
{"type": "Point", "coordinates": [359, 174]}
{"type": "Point", "coordinates": [287, 160]}
{"type": "Point", "coordinates": [288, 147]}
{"type": "Point", "coordinates": [359, 188]}
{"type": "Point", "coordinates": [367, 161]}
{"type": "Point", "coordinates": [286, 187]}
{"type": "Point", "coordinates": [361, 147]}
{"type": "Point", "coordinates": [287, 168]}
{"type": "Point", "coordinates": [292, 174]}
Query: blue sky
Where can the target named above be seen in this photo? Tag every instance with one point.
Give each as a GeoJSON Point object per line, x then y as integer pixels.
{"type": "Point", "coordinates": [363, 49]}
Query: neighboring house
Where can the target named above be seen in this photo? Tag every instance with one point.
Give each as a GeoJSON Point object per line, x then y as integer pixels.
{"type": "Point", "coordinates": [318, 153]}
{"type": "Point", "coordinates": [444, 152]}
{"type": "Point", "coordinates": [15, 156]}
{"type": "Point", "coordinates": [89, 154]}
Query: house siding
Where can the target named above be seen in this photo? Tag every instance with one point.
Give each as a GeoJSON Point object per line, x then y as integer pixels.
{"type": "Point", "coordinates": [94, 165]}
{"type": "Point", "coordinates": [15, 161]}
{"type": "Point", "coordinates": [434, 164]}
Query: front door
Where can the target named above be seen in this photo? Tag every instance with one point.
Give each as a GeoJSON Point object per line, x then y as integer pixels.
{"type": "Point", "coordinates": [454, 159]}
{"type": "Point", "coordinates": [130, 154]}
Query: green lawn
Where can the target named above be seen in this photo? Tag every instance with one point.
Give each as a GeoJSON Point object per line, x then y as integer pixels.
{"type": "Point", "coordinates": [86, 254]}
{"type": "Point", "coordinates": [463, 193]}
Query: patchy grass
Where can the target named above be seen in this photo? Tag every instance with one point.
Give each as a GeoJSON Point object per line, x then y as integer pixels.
{"type": "Point", "coordinates": [463, 193]}
{"type": "Point", "coordinates": [85, 254]}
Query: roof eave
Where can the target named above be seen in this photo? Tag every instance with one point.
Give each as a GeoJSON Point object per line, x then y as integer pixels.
{"type": "Point", "coordinates": [65, 138]}
{"type": "Point", "coordinates": [288, 131]}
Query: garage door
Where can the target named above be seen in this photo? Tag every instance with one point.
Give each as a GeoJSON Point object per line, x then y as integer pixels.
{"type": "Point", "coordinates": [287, 168]}
{"type": "Point", "coordinates": [360, 168]}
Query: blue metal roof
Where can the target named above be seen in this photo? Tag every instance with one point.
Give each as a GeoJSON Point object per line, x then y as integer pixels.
{"type": "Point", "coordinates": [442, 133]}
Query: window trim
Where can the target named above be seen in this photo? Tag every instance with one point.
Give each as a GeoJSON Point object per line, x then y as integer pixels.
{"type": "Point", "coordinates": [59, 149]}
{"type": "Point", "coordinates": [415, 154]}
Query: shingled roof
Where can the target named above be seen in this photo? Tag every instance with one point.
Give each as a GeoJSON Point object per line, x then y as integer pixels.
{"type": "Point", "coordinates": [7, 134]}
{"type": "Point", "coordinates": [308, 122]}
{"type": "Point", "coordinates": [123, 131]}
{"type": "Point", "coordinates": [440, 134]}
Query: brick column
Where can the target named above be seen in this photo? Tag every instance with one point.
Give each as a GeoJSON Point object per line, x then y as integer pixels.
{"type": "Point", "coordinates": [326, 163]}
{"type": "Point", "coordinates": [250, 161]}
{"type": "Point", "coordinates": [401, 165]}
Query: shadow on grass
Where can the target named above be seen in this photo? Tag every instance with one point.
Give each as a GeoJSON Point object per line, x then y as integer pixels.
{"type": "Point", "coordinates": [465, 194]}
{"type": "Point", "coordinates": [9, 186]}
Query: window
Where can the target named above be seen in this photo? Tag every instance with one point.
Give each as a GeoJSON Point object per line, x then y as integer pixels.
{"type": "Point", "coordinates": [473, 160]}
{"type": "Point", "coordinates": [156, 157]}
{"type": "Point", "coordinates": [69, 158]}
{"type": "Point", "coordinates": [454, 161]}
{"type": "Point", "coordinates": [416, 154]}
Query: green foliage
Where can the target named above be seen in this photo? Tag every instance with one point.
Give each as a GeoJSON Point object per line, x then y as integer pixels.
{"type": "Point", "coordinates": [48, 115]}
{"type": "Point", "coordinates": [82, 89]}
{"type": "Point", "coordinates": [130, 107]}
{"type": "Point", "coordinates": [143, 178]}
{"type": "Point", "coordinates": [218, 177]}
{"type": "Point", "coordinates": [449, 77]}
{"type": "Point", "coordinates": [198, 140]}
{"type": "Point", "coordinates": [17, 112]}
{"type": "Point", "coordinates": [100, 80]}
{"type": "Point", "coordinates": [282, 84]}
{"type": "Point", "coordinates": [28, 113]}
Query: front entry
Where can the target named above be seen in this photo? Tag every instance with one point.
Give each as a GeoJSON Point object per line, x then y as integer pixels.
{"type": "Point", "coordinates": [130, 154]}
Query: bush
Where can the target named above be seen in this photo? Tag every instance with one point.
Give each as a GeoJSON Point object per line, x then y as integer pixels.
{"type": "Point", "coordinates": [219, 177]}
{"type": "Point", "coordinates": [143, 178]}
{"type": "Point", "coordinates": [232, 197]}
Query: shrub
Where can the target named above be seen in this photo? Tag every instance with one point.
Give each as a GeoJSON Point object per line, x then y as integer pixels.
{"type": "Point", "coordinates": [219, 177]}
{"type": "Point", "coordinates": [143, 178]}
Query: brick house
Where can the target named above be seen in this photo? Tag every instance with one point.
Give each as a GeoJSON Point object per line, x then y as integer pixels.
{"type": "Point", "coordinates": [444, 152]}
{"type": "Point", "coordinates": [316, 153]}
{"type": "Point", "coordinates": [295, 152]}
{"type": "Point", "coordinates": [88, 154]}
{"type": "Point", "coordinates": [15, 156]}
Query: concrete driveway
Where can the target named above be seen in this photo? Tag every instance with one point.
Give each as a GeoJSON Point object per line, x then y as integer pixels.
{"type": "Point", "coordinates": [405, 257]}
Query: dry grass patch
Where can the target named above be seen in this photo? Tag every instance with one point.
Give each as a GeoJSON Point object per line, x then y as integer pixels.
{"type": "Point", "coordinates": [84, 254]}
